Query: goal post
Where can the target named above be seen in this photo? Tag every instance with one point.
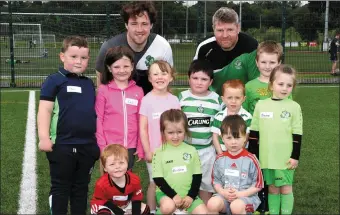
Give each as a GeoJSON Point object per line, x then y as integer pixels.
{"type": "Point", "coordinates": [25, 36]}
{"type": "Point", "coordinates": [49, 41]}
{"type": "Point", "coordinates": [34, 41]}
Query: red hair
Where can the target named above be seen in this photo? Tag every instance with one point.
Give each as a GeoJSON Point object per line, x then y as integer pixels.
{"type": "Point", "coordinates": [236, 84]}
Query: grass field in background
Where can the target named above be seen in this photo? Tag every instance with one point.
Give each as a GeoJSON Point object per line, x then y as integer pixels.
{"type": "Point", "coordinates": [316, 183]}
{"type": "Point", "coordinates": [304, 61]}
{"type": "Point", "coordinates": [312, 66]}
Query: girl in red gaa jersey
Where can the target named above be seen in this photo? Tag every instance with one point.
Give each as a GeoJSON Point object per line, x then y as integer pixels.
{"type": "Point", "coordinates": [118, 191]}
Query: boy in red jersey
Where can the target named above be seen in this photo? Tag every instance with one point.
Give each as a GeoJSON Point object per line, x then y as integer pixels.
{"type": "Point", "coordinates": [118, 191]}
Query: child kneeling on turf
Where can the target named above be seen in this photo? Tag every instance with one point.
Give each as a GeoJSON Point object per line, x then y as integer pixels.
{"type": "Point", "coordinates": [118, 191]}
{"type": "Point", "coordinates": [176, 167]}
{"type": "Point", "coordinates": [237, 176]}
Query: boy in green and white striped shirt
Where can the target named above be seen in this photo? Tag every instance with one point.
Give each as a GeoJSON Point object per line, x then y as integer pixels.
{"type": "Point", "coordinates": [233, 95]}
{"type": "Point", "coordinates": [200, 106]}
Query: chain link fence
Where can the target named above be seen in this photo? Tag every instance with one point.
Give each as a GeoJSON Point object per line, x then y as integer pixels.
{"type": "Point", "coordinates": [37, 36]}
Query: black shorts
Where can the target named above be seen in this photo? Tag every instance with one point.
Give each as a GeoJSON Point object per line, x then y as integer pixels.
{"type": "Point", "coordinates": [333, 57]}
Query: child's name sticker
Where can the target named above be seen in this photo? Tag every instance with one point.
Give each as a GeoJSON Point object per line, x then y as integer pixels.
{"type": "Point", "coordinates": [73, 89]}
{"type": "Point", "coordinates": [133, 102]}
{"type": "Point", "coordinates": [156, 115]}
{"type": "Point", "coordinates": [232, 172]}
{"type": "Point", "coordinates": [179, 169]}
{"type": "Point", "coordinates": [267, 115]}
{"type": "Point", "coordinates": [120, 198]}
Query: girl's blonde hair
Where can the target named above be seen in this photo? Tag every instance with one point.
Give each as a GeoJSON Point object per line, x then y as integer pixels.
{"type": "Point", "coordinates": [283, 68]}
{"type": "Point", "coordinates": [164, 67]}
{"type": "Point", "coordinates": [173, 116]}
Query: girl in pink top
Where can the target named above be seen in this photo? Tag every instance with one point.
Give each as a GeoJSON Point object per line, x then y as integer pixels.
{"type": "Point", "coordinates": [153, 105]}
{"type": "Point", "coordinates": [117, 104]}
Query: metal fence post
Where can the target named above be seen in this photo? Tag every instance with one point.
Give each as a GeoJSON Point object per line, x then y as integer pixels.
{"type": "Point", "coordinates": [108, 23]}
{"type": "Point", "coordinates": [11, 48]}
{"type": "Point", "coordinates": [283, 30]}
{"type": "Point", "coordinates": [199, 21]}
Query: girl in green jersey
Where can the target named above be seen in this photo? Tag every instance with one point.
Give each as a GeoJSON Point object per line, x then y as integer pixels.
{"type": "Point", "coordinates": [275, 137]}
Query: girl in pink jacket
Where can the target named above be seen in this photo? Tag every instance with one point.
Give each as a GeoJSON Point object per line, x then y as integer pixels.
{"type": "Point", "coordinates": [117, 104]}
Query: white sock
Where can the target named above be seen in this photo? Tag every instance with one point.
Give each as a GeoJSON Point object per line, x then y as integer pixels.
{"type": "Point", "coordinates": [153, 211]}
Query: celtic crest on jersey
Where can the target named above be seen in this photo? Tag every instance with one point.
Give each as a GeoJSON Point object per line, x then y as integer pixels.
{"type": "Point", "coordinates": [149, 60]}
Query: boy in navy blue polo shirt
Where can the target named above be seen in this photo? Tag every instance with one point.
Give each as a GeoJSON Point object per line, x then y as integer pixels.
{"type": "Point", "coordinates": [67, 126]}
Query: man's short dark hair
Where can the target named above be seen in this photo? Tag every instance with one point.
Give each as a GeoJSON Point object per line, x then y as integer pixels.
{"type": "Point", "coordinates": [134, 9]}
{"type": "Point", "coordinates": [201, 65]}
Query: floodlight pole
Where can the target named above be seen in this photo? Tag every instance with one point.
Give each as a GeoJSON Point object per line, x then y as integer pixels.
{"type": "Point", "coordinates": [240, 16]}
{"type": "Point", "coordinates": [205, 19]}
{"type": "Point", "coordinates": [325, 39]}
{"type": "Point", "coordinates": [186, 23]}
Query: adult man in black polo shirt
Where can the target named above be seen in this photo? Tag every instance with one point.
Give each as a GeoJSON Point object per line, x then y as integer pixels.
{"type": "Point", "coordinates": [226, 44]}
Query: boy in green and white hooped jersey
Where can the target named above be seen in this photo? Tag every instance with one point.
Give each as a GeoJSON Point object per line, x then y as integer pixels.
{"type": "Point", "coordinates": [200, 105]}
{"type": "Point", "coordinates": [275, 137]}
{"type": "Point", "coordinates": [233, 95]}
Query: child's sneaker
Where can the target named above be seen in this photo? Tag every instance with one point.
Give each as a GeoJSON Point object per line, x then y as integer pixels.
{"type": "Point", "coordinates": [259, 213]}
{"type": "Point", "coordinates": [178, 212]}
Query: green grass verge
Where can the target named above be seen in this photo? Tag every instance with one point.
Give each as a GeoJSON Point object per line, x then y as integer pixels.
{"type": "Point", "coordinates": [316, 183]}
{"type": "Point", "coordinates": [13, 128]}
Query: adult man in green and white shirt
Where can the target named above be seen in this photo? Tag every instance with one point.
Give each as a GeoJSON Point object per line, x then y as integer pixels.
{"type": "Point", "coordinates": [200, 105]}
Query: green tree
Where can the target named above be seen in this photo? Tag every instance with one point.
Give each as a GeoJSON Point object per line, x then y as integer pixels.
{"type": "Point", "coordinates": [306, 22]}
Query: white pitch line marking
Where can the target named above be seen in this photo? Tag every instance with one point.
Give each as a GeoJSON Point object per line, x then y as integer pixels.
{"type": "Point", "coordinates": [28, 196]}
{"type": "Point", "coordinates": [15, 91]}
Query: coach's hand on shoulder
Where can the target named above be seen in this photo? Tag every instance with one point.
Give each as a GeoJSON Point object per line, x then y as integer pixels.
{"type": "Point", "coordinates": [45, 145]}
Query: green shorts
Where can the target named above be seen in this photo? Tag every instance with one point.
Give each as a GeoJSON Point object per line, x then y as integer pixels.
{"type": "Point", "coordinates": [194, 204]}
{"type": "Point", "coordinates": [278, 177]}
